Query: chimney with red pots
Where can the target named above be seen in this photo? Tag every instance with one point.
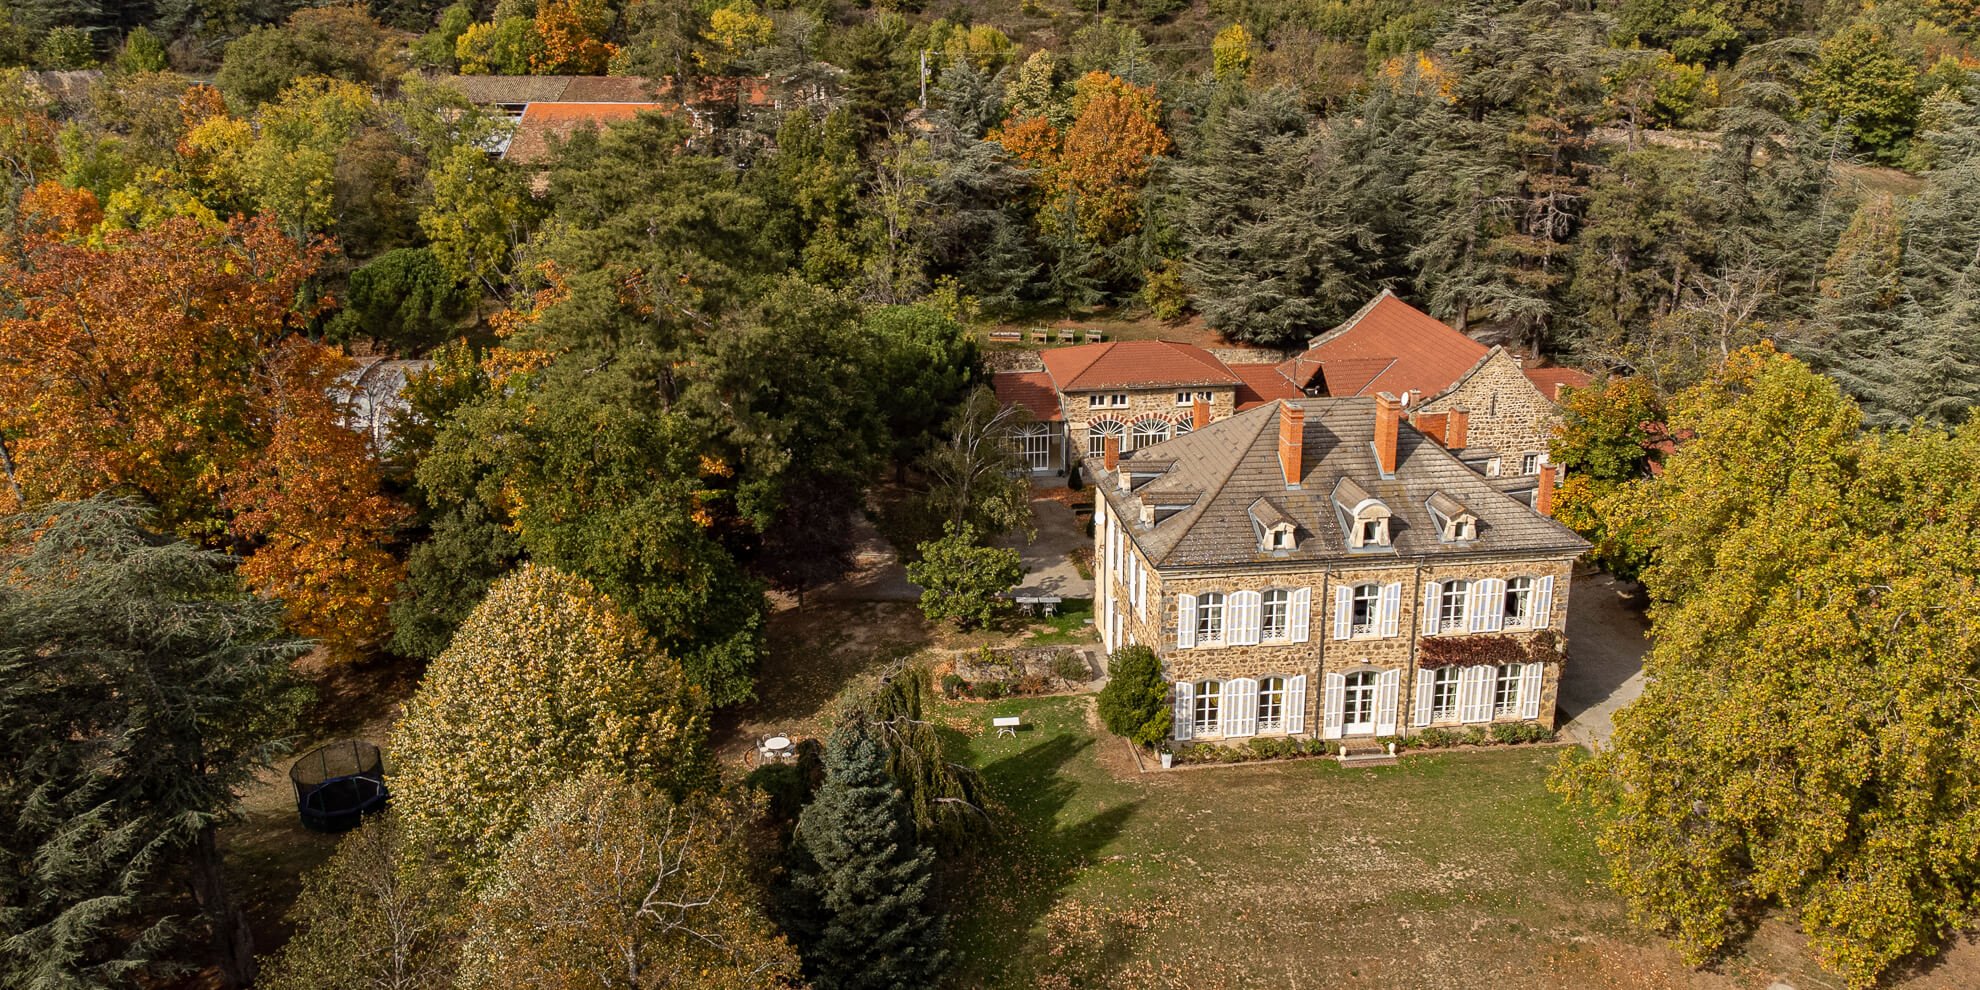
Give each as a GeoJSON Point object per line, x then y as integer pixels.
{"type": "Point", "coordinates": [1388, 416]}
{"type": "Point", "coordinates": [1199, 413]}
{"type": "Point", "coordinates": [1292, 442]}
{"type": "Point", "coordinates": [1457, 433]}
{"type": "Point", "coordinates": [1110, 452]}
{"type": "Point", "coordinates": [1543, 497]}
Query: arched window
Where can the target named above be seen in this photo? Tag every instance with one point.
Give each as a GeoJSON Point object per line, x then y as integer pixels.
{"type": "Point", "coordinates": [1034, 444]}
{"type": "Point", "coordinates": [1205, 713]}
{"type": "Point", "coordinates": [1097, 433]}
{"type": "Point", "coordinates": [1184, 424]}
{"type": "Point", "coordinates": [1148, 432]}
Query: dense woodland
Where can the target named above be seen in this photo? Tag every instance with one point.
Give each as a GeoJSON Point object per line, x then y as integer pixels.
{"type": "Point", "coordinates": [672, 364]}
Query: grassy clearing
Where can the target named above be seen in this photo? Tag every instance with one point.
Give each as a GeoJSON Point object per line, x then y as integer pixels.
{"type": "Point", "coordinates": [1455, 869]}
{"type": "Point", "coordinates": [1073, 625]}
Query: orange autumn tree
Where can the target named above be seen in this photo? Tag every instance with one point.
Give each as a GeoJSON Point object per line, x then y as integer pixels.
{"type": "Point", "coordinates": [572, 34]}
{"type": "Point", "coordinates": [1102, 159]}
{"type": "Point", "coordinates": [169, 363]}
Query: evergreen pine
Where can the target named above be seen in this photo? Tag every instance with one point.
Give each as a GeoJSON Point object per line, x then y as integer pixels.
{"type": "Point", "coordinates": [139, 690]}
{"type": "Point", "coordinates": [861, 911]}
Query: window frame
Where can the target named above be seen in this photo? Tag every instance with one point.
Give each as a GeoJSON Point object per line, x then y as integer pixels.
{"type": "Point", "coordinates": [1453, 598]}
{"type": "Point", "coordinates": [1096, 436]}
{"type": "Point", "coordinates": [1272, 699]}
{"type": "Point", "coordinates": [1206, 708]}
{"type": "Point", "coordinates": [1210, 624]}
{"type": "Point", "coordinates": [1266, 604]}
{"type": "Point", "coordinates": [1537, 460]}
{"type": "Point", "coordinates": [1519, 602]}
{"type": "Point", "coordinates": [1373, 627]}
{"type": "Point", "coordinates": [1503, 704]}
{"type": "Point", "coordinates": [1444, 682]}
{"type": "Point", "coordinates": [1359, 689]}
{"type": "Point", "coordinates": [1133, 439]}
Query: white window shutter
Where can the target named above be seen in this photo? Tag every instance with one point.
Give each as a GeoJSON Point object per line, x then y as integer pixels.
{"type": "Point", "coordinates": [1388, 686]}
{"type": "Point", "coordinates": [1242, 618]}
{"type": "Point", "coordinates": [1391, 609]}
{"type": "Point", "coordinates": [1301, 614]}
{"type": "Point", "coordinates": [1343, 611]}
{"type": "Point", "coordinates": [1426, 691]}
{"type": "Point", "coordinates": [1335, 701]}
{"type": "Point", "coordinates": [1474, 605]}
{"type": "Point", "coordinates": [1241, 695]}
{"type": "Point", "coordinates": [1529, 690]}
{"type": "Point", "coordinates": [1431, 591]}
{"type": "Point", "coordinates": [1543, 604]}
{"type": "Point", "coordinates": [1296, 704]}
{"type": "Point", "coordinates": [1141, 590]}
{"type": "Point", "coordinates": [1107, 626]}
{"type": "Point", "coordinates": [1185, 621]}
{"type": "Point", "coordinates": [1185, 711]}
{"type": "Point", "coordinates": [1475, 694]}
{"type": "Point", "coordinates": [1227, 708]}
{"type": "Point", "coordinates": [1495, 604]}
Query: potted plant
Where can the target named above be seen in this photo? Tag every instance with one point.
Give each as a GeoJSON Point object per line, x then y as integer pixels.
{"type": "Point", "coordinates": [1168, 758]}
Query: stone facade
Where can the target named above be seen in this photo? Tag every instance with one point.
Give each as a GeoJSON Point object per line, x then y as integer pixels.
{"type": "Point", "coordinates": [1142, 404]}
{"type": "Point", "coordinates": [1154, 623]}
{"type": "Point", "coordinates": [1508, 413]}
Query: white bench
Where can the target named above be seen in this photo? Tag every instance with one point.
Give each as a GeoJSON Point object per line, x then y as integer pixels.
{"type": "Point", "coordinates": [1007, 725]}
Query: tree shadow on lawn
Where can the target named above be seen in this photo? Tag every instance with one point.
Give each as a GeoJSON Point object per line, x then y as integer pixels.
{"type": "Point", "coordinates": [1016, 879]}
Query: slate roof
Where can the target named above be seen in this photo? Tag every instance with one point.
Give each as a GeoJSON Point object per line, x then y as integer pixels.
{"type": "Point", "coordinates": [1389, 346]}
{"type": "Point", "coordinates": [1235, 462]}
{"type": "Point", "coordinates": [1135, 364]}
{"type": "Point", "coordinates": [1030, 389]}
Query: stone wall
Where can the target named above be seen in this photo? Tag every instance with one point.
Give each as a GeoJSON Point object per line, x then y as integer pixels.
{"type": "Point", "coordinates": [1142, 404]}
{"type": "Point", "coordinates": [1321, 653]}
{"type": "Point", "coordinates": [1508, 413]}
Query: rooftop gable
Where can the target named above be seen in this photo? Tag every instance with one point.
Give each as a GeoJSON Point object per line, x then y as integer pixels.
{"type": "Point", "coordinates": [1388, 346]}
{"type": "Point", "coordinates": [1134, 364]}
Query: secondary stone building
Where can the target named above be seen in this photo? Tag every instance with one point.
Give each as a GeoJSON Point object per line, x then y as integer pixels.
{"type": "Point", "coordinates": [1320, 566]}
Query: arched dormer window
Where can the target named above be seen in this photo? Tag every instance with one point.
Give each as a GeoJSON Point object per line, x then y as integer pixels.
{"type": "Point", "coordinates": [1455, 523]}
{"type": "Point", "coordinates": [1371, 524]}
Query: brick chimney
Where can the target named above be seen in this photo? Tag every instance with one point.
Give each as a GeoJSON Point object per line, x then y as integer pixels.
{"type": "Point", "coordinates": [1457, 433]}
{"type": "Point", "coordinates": [1388, 416]}
{"type": "Point", "coordinates": [1292, 442]}
{"type": "Point", "coordinates": [1543, 497]}
{"type": "Point", "coordinates": [1110, 452]}
{"type": "Point", "coordinates": [1430, 425]}
{"type": "Point", "coordinates": [1199, 413]}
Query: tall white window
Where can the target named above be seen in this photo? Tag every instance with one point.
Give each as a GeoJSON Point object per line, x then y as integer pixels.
{"type": "Point", "coordinates": [1505, 692]}
{"type": "Point", "coordinates": [1147, 432]}
{"type": "Point", "coordinates": [1444, 694]}
{"type": "Point", "coordinates": [1366, 606]}
{"type": "Point", "coordinates": [1209, 618]}
{"type": "Point", "coordinates": [1277, 615]}
{"type": "Point", "coordinates": [1097, 433]}
{"type": "Point", "coordinates": [1530, 463]}
{"type": "Point", "coordinates": [1035, 446]}
{"type": "Point", "coordinates": [1206, 714]}
{"type": "Point", "coordinates": [1450, 606]}
{"type": "Point", "coordinates": [1519, 602]}
{"type": "Point", "coordinates": [1272, 704]}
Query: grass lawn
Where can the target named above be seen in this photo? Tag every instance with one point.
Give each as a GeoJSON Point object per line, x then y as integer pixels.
{"type": "Point", "coordinates": [1449, 870]}
{"type": "Point", "coordinates": [1072, 625]}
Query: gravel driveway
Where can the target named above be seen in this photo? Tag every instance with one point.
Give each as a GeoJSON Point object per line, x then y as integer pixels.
{"type": "Point", "coordinates": [1606, 641]}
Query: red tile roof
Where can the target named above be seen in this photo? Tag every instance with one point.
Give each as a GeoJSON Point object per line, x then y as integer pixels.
{"type": "Point", "coordinates": [1262, 383]}
{"type": "Point", "coordinates": [541, 122]}
{"type": "Point", "coordinates": [1414, 351]}
{"type": "Point", "coordinates": [1550, 381]}
{"type": "Point", "coordinates": [1134, 363]}
{"type": "Point", "coordinates": [1029, 389]}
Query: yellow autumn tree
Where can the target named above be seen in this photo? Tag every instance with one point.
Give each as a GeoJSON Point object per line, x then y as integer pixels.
{"type": "Point", "coordinates": [1098, 165]}
{"type": "Point", "coordinates": [1230, 53]}
{"type": "Point", "coordinates": [733, 31]}
{"type": "Point", "coordinates": [547, 679]}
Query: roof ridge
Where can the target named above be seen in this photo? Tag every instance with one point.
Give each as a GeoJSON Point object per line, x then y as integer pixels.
{"type": "Point", "coordinates": [1349, 323]}
{"type": "Point", "coordinates": [1211, 491]}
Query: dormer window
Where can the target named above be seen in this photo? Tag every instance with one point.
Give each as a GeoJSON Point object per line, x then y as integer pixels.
{"type": "Point", "coordinates": [1279, 538]}
{"type": "Point", "coordinates": [1276, 529]}
{"type": "Point", "coordinates": [1373, 531]}
{"type": "Point", "coordinates": [1455, 523]}
{"type": "Point", "coordinates": [1364, 518]}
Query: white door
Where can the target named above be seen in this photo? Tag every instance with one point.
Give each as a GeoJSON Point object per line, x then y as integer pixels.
{"type": "Point", "coordinates": [1358, 706]}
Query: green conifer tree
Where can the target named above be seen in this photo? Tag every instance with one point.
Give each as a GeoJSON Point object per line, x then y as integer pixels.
{"type": "Point", "coordinates": [861, 911]}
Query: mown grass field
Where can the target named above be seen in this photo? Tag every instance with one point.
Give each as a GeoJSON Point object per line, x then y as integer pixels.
{"type": "Point", "coordinates": [1449, 870]}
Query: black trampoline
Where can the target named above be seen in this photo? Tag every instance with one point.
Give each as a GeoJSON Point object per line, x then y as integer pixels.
{"type": "Point", "coordinates": [339, 783]}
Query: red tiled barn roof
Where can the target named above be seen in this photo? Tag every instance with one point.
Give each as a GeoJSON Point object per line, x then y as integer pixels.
{"type": "Point", "coordinates": [1134, 363]}
{"type": "Point", "coordinates": [543, 121]}
{"type": "Point", "coordinates": [1262, 383]}
{"type": "Point", "coordinates": [1550, 381]}
{"type": "Point", "coordinates": [1390, 346]}
{"type": "Point", "coordinates": [1031, 390]}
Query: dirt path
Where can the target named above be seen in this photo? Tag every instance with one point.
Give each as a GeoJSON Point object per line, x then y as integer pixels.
{"type": "Point", "coordinates": [1607, 637]}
